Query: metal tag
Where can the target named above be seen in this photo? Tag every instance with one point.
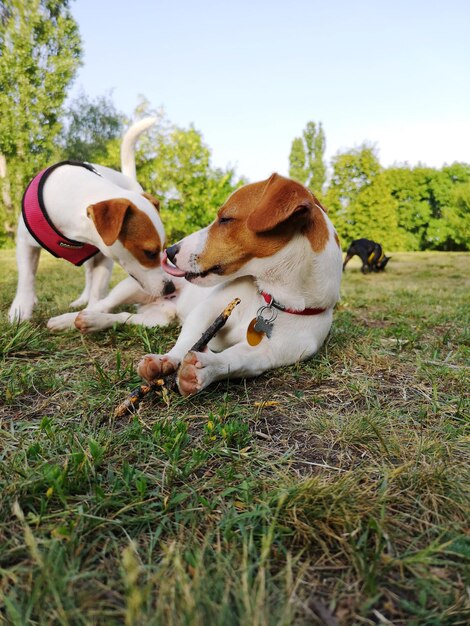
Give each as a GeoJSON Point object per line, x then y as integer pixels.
{"type": "Point", "coordinates": [262, 325]}
{"type": "Point", "coordinates": [265, 318]}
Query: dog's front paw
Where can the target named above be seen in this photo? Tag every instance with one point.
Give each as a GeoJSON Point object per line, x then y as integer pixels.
{"type": "Point", "coordinates": [195, 373]}
{"type": "Point", "coordinates": [155, 366]}
{"type": "Point", "coordinates": [21, 309]}
{"type": "Point", "coordinates": [79, 302]}
{"type": "Point", "coordinates": [90, 321]}
{"type": "Point", "coordinates": [61, 322]}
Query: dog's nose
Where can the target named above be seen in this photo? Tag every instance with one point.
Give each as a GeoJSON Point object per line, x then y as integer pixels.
{"type": "Point", "coordinates": [168, 287]}
{"type": "Point", "coordinates": [172, 251]}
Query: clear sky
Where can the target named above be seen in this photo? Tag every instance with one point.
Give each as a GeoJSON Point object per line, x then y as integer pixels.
{"type": "Point", "coordinates": [250, 74]}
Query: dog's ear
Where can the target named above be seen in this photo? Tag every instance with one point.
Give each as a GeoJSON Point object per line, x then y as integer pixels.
{"type": "Point", "coordinates": [108, 217]}
{"type": "Point", "coordinates": [152, 199]}
{"type": "Point", "coordinates": [282, 198]}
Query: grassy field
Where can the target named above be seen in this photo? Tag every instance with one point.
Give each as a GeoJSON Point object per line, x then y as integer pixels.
{"type": "Point", "coordinates": [334, 491]}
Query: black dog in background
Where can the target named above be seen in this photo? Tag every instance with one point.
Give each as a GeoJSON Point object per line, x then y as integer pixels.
{"type": "Point", "coordinates": [371, 254]}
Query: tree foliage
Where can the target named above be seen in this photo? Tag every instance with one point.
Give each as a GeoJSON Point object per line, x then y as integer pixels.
{"type": "Point", "coordinates": [306, 159]}
{"type": "Point", "coordinates": [298, 161]}
{"type": "Point", "coordinates": [90, 127]}
{"type": "Point", "coordinates": [431, 208]}
{"type": "Point", "coordinates": [39, 54]}
{"type": "Point", "coordinates": [359, 198]}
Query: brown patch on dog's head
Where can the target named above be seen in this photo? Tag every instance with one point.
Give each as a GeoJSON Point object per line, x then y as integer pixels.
{"type": "Point", "coordinates": [119, 218]}
{"type": "Point", "coordinates": [152, 199]}
{"type": "Point", "coordinates": [258, 220]}
{"type": "Point", "coordinates": [337, 239]}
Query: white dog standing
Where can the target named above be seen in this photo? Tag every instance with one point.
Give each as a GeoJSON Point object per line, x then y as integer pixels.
{"type": "Point", "coordinates": [94, 215]}
{"type": "Point", "coordinates": [273, 246]}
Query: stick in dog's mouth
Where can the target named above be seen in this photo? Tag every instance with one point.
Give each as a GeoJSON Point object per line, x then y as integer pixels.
{"type": "Point", "coordinates": [173, 270]}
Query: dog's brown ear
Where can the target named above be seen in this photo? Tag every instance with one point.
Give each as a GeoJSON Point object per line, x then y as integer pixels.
{"type": "Point", "coordinates": [108, 217]}
{"type": "Point", "coordinates": [152, 199]}
{"type": "Point", "coordinates": [282, 198]}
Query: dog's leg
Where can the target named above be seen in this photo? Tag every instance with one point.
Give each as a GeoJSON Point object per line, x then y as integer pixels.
{"type": "Point", "coordinates": [158, 312]}
{"type": "Point", "coordinates": [153, 366]}
{"type": "Point", "coordinates": [100, 276]}
{"type": "Point", "coordinates": [126, 291]}
{"type": "Point", "coordinates": [347, 259]}
{"type": "Point", "coordinates": [98, 272]}
{"type": "Point", "coordinates": [27, 257]}
{"type": "Point", "coordinates": [161, 313]}
{"type": "Point", "coordinates": [365, 269]}
{"type": "Point", "coordinates": [200, 369]}
{"type": "Point", "coordinates": [83, 298]}
{"type": "Point", "coordinates": [98, 317]}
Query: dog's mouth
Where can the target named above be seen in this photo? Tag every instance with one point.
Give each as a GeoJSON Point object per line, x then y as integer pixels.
{"type": "Point", "coordinates": [174, 270]}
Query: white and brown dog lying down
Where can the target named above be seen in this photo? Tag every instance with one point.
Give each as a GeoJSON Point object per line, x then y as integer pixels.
{"type": "Point", "coordinates": [273, 246]}
{"type": "Point", "coordinates": [94, 215]}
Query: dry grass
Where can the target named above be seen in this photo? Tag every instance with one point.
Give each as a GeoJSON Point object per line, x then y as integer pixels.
{"type": "Point", "coordinates": [339, 485]}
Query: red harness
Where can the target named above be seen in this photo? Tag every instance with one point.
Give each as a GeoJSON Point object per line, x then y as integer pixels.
{"type": "Point", "coordinates": [43, 230]}
{"type": "Point", "coordinates": [271, 302]}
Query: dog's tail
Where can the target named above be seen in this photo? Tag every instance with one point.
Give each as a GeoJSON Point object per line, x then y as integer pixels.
{"type": "Point", "coordinates": [128, 145]}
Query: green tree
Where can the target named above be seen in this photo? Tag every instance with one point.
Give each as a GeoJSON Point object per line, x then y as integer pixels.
{"type": "Point", "coordinates": [297, 161]}
{"type": "Point", "coordinates": [448, 226]}
{"type": "Point", "coordinates": [90, 128]}
{"type": "Point", "coordinates": [410, 189]}
{"type": "Point", "coordinates": [359, 199]}
{"type": "Point", "coordinates": [431, 206]}
{"type": "Point", "coordinates": [306, 159]}
{"type": "Point", "coordinates": [39, 54]}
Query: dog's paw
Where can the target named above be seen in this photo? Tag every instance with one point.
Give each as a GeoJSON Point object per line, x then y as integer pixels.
{"type": "Point", "coordinates": [194, 373]}
{"type": "Point", "coordinates": [90, 321]}
{"type": "Point", "coordinates": [155, 366]}
{"type": "Point", "coordinates": [21, 310]}
{"type": "Point", "coordinates": [62, 322]}
{"type": "Point", "coordinates": [79, 303]}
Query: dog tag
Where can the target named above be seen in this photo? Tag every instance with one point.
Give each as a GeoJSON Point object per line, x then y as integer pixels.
{"type": "Point", "coordinates": [263, 326]}
{"type": "Point", "coordinates": [253, 336]}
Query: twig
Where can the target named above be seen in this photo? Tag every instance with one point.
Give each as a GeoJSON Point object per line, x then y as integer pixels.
{"type": "Point", "coordinates": [132, 402]}
{"type": "Point", "coordinates": [324, 465]}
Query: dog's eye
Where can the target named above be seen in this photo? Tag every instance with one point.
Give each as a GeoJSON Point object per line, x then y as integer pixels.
{"type": "Point", "coordinates": [225, 220]}
{"type": "Point", "coordinates": [151, 254]}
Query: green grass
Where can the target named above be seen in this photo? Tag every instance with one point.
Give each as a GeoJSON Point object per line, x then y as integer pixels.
{"type": "Point", "coordinates": [341, 483]}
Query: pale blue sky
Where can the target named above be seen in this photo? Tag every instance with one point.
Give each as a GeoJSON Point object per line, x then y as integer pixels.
{"type": "Point", "coordinates": [250, 74]}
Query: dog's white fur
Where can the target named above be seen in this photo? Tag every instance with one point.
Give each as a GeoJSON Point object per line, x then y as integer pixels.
{"type": "Point", "coordinates": [295, 275]}
{"type": "Point", "coordinates": [68, 192]}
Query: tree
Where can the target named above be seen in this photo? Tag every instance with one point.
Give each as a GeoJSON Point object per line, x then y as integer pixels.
{"type": "Point", "coordinates": [410, 190]}
{"type": "Point", "coordinates": [89, 129]}
{"type": "Point", "coordinates": [448, 226]}
{"type": "Point", "coordinates": [306, 160]}
{"type": "Point", "coordinates": [297, 161]}
{"type": "Point", "coordinates": [360, 200]}
{"type": "Point", "coordinates": [39, 54]}
{"type": "Point", "coordinates": [431, 206]}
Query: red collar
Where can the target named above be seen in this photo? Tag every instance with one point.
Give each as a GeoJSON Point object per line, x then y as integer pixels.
{"type": "Point", "coordinates": [271, 302]}
{"type": "Point", "coordinates": [43, 230]}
